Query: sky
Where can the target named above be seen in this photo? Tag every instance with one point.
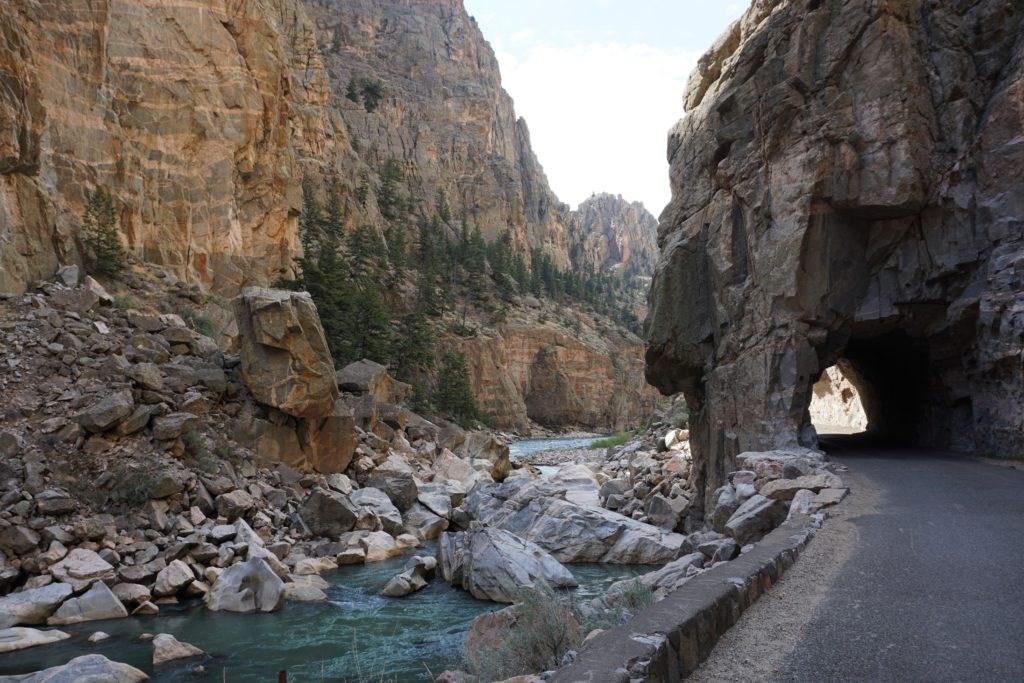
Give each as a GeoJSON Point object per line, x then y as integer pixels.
{"type": "Point", "coordinates": [600, 82]}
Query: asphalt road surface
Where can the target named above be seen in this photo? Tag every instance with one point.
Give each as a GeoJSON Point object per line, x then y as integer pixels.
{"type": "Point", "coordinates": [919, 577]}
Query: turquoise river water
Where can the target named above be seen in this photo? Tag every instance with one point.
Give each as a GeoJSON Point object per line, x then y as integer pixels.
{"type": "Point", "coordinates": [356, 636]}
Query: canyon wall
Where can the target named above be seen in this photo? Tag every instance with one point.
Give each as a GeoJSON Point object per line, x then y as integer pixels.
{"type": "Point", "coordinates": [528, 371]}
{"type": "Point", "coordinates": [846, 186]}
{"type": "Point", "coordinates": [203, 120]}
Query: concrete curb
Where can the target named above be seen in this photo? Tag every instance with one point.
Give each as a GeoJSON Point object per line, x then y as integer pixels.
{"type": "Point", "coordinates": [669, 640]}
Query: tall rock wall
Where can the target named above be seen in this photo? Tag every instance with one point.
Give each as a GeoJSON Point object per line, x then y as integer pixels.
{"type": "Point", "coordinates": [526, 371]}
{"type": "Point", "coordinates": [846, 186]}
{"type": "Point", "coordinates": [184, 113]}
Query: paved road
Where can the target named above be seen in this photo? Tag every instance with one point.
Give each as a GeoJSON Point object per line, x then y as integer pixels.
{"type": "Point", "coordinates": [934, 588]}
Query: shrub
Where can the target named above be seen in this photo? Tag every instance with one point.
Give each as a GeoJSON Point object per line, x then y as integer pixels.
{"type": "Point", "coordinates": [197, 321]}
{"type": "Point", "coordinates": [636, 597]}
{"type": "Point", "coordinates": [125, 301]}
{"type": "Point", "coordinates": [131, 486]}
{"type": "Point", "coordinates": [103, 249]}
{"type": "Point", "coordinates": [615, 440]}
{"type": "Point", "coordinates": [544, 629]}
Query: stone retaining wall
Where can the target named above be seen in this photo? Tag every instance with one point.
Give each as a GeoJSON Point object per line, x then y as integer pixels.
{"type": "Point", "coordinates": [667, 641]}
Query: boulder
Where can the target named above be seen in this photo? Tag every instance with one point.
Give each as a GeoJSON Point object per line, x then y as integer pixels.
{"type": "Point", "coordinates": [131, 593]}
{"type": "Point", "coordinates": [81, 567]}
{"type": "Point", "coordinates": [234, 504]}
{"type": "Point", "coordinates": [580, 485]}
{"type": "Point", "coordinates": [20, 637]}
{"type": "Point", "coordinates": [418, 571]}
{"type": "Point", "coordinates": [329, 442]}
{"type": "Point", "coordinates": [493, 564]}
{"type": "Point", "coordinates": [724, 505]}
{"type": "Point", "coordinates": [18, 540]}
{"type": "Point", "coordinates": [394, 477]}
{"type": "Point", "coordinates": [785, 489]}
{"type": "Point", "coordinates": [378, 546]}
{"type": "Point", "coordinates": [32, 606]}
{"type": "Point", "coordinates": [423, 523]}
{"type": "Point", "coordinates": [107, 411]}
{"type": "Point", "coordinates": [285, 361]}
{"type": "Point", "coordinates": [665, 512]}
{"type": "Point", "coordinates": [96, 603]}
{"type": "Point", "coordinates": [167, 648]}
{"type": "Point", "coordinates": [667, 578]}
{"type": "Point", "coordinates": [436, 498]}
{"type": "Point", "coordinates": [328, 513]}
{"type": "Point", "coordinates": [755, 518]}
{"type": "Point", "coordinates": [86, 669]}
{"type": "Point", "coordinates": [295, 591]}
{"type": "Point", "coordinates": [173, 425]}
{"type": "Point", "coordinates": [537, 511]}
{"type": "Point", "coordinates": [368, 377]}
{"type": "Point", "coordinates": [172, 579]}
{"type": "Point", "coordinates": [246, 587]}
{"type": "Point", "coordinates": [377, 501]}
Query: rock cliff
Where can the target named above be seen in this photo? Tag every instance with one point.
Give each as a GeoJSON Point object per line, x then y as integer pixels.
{"type": "Point", "coordinates": [203, 122]}
{"type": "Point", "coordinates": [188, 116]}
{"type": "Point", "coordinates": [527, 371]}
{"type": "Point", "coordinates": [845, 186]}
{"type": "Point", "coordinates": [606, 231]}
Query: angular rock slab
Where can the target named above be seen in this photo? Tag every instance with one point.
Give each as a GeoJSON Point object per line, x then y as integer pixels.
{"type": "Point", "coordinates": [167, 648]}
{"type": "Point", "coordinates": [95, 604]}
{"type": "Point", "coordinates": [20, 637]}
{"type": "Point", "coordinates": [493, 564]}
{"type": "Point", "coordinates": [285, 360]}
{"type": "Point", "coordinates": [249, 586]}
{"type": "Point", "coordinates": [32, 606]}
{"type": "Point", "coordinates": [86, 669]}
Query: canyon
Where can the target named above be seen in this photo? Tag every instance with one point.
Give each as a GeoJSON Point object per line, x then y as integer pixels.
{"type": "Point", "coordinates": [204, 124]}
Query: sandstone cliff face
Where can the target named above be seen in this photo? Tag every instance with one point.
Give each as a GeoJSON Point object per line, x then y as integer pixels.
{"type": "Point", "coordinates": [185, 114]}
{"type": "Point", "coordinates": [846, 186]}
{"type": "Point", "coordinates": [201, 120]}
{"type": "Point", "coordinates": [530, 371]}
{"type": "Point", "coordinates": [606, 231]}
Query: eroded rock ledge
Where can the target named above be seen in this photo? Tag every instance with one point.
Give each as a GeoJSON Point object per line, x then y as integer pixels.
{"type": "Point", "coordinates": [846, 187]}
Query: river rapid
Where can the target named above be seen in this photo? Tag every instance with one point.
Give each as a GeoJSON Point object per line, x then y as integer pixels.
{"type": "Point", "coordinates": [357, 635]}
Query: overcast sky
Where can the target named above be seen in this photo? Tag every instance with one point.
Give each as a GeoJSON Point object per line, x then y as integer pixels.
{"type": "Point", "coordinates": [600, 82]}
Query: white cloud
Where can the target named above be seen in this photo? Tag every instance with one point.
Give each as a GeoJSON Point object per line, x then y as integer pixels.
{"type": "Point", "coordinates": [599, 115]}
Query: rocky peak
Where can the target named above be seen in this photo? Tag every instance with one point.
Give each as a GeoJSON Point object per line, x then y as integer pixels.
{"type": "Point", "coordinates": [607, 231]}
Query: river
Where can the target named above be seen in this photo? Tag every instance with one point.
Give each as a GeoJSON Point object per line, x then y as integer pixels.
{"type": "Point", "coordinates": [356, 636]}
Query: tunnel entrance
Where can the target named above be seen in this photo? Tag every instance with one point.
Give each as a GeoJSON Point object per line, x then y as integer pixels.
{"type": "Point", "coordinates": [900, 389]}
{"type": "Point", "coordinates": [836, 406]}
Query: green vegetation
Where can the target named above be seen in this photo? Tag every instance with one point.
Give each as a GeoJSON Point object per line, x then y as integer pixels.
{"type": "Point", "coordinates": [197, 321]}
{"type": "Point", "coordinates": [103, 251]}
{"type": "Point", "coordinates": [548, 624]}
{"type": "Point", "coordinates": [454, 395]}
{"type": "Point", "coordinates": [368, 90]}
{"type": "Point", "coordinates": [131, 487]}
{"type": "Point", "coordinates": [125, 301]}
{"type": "Point", "coordinates": [386, 292]}
{"type": "Point", "coordinates": [614, 440]}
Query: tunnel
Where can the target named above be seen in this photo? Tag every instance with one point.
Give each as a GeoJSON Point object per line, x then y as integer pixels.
{"type": "Point", "coordinates": [903, 392]}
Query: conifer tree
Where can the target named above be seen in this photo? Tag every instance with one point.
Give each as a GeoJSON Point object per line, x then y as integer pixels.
{"type": "Point", "coordinates": [454, 395]}
{"type": "Point", "coordinates": [103, 249]}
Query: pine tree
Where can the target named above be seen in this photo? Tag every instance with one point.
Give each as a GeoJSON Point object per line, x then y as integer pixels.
{"type": "Point", "coordinates": [309, 221]}
{"type": "Point", "coordinates": [454, 395]}
{"type": "Point", "coordinates": [414, 348]}
{"type": "Point", "coordinates": [363, 189]}
{"type": "Point", "coordinates": [370, 323]}
{"type": "Point", "coordinates": [102, 243]}
{"type": "Point", "coordinates": [334, 222]}
{"type": "Point", "coordinates": [352, 91]}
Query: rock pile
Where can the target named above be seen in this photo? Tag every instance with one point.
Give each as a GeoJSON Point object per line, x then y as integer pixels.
{"type": "Point", "coordinates": [129, 481]}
